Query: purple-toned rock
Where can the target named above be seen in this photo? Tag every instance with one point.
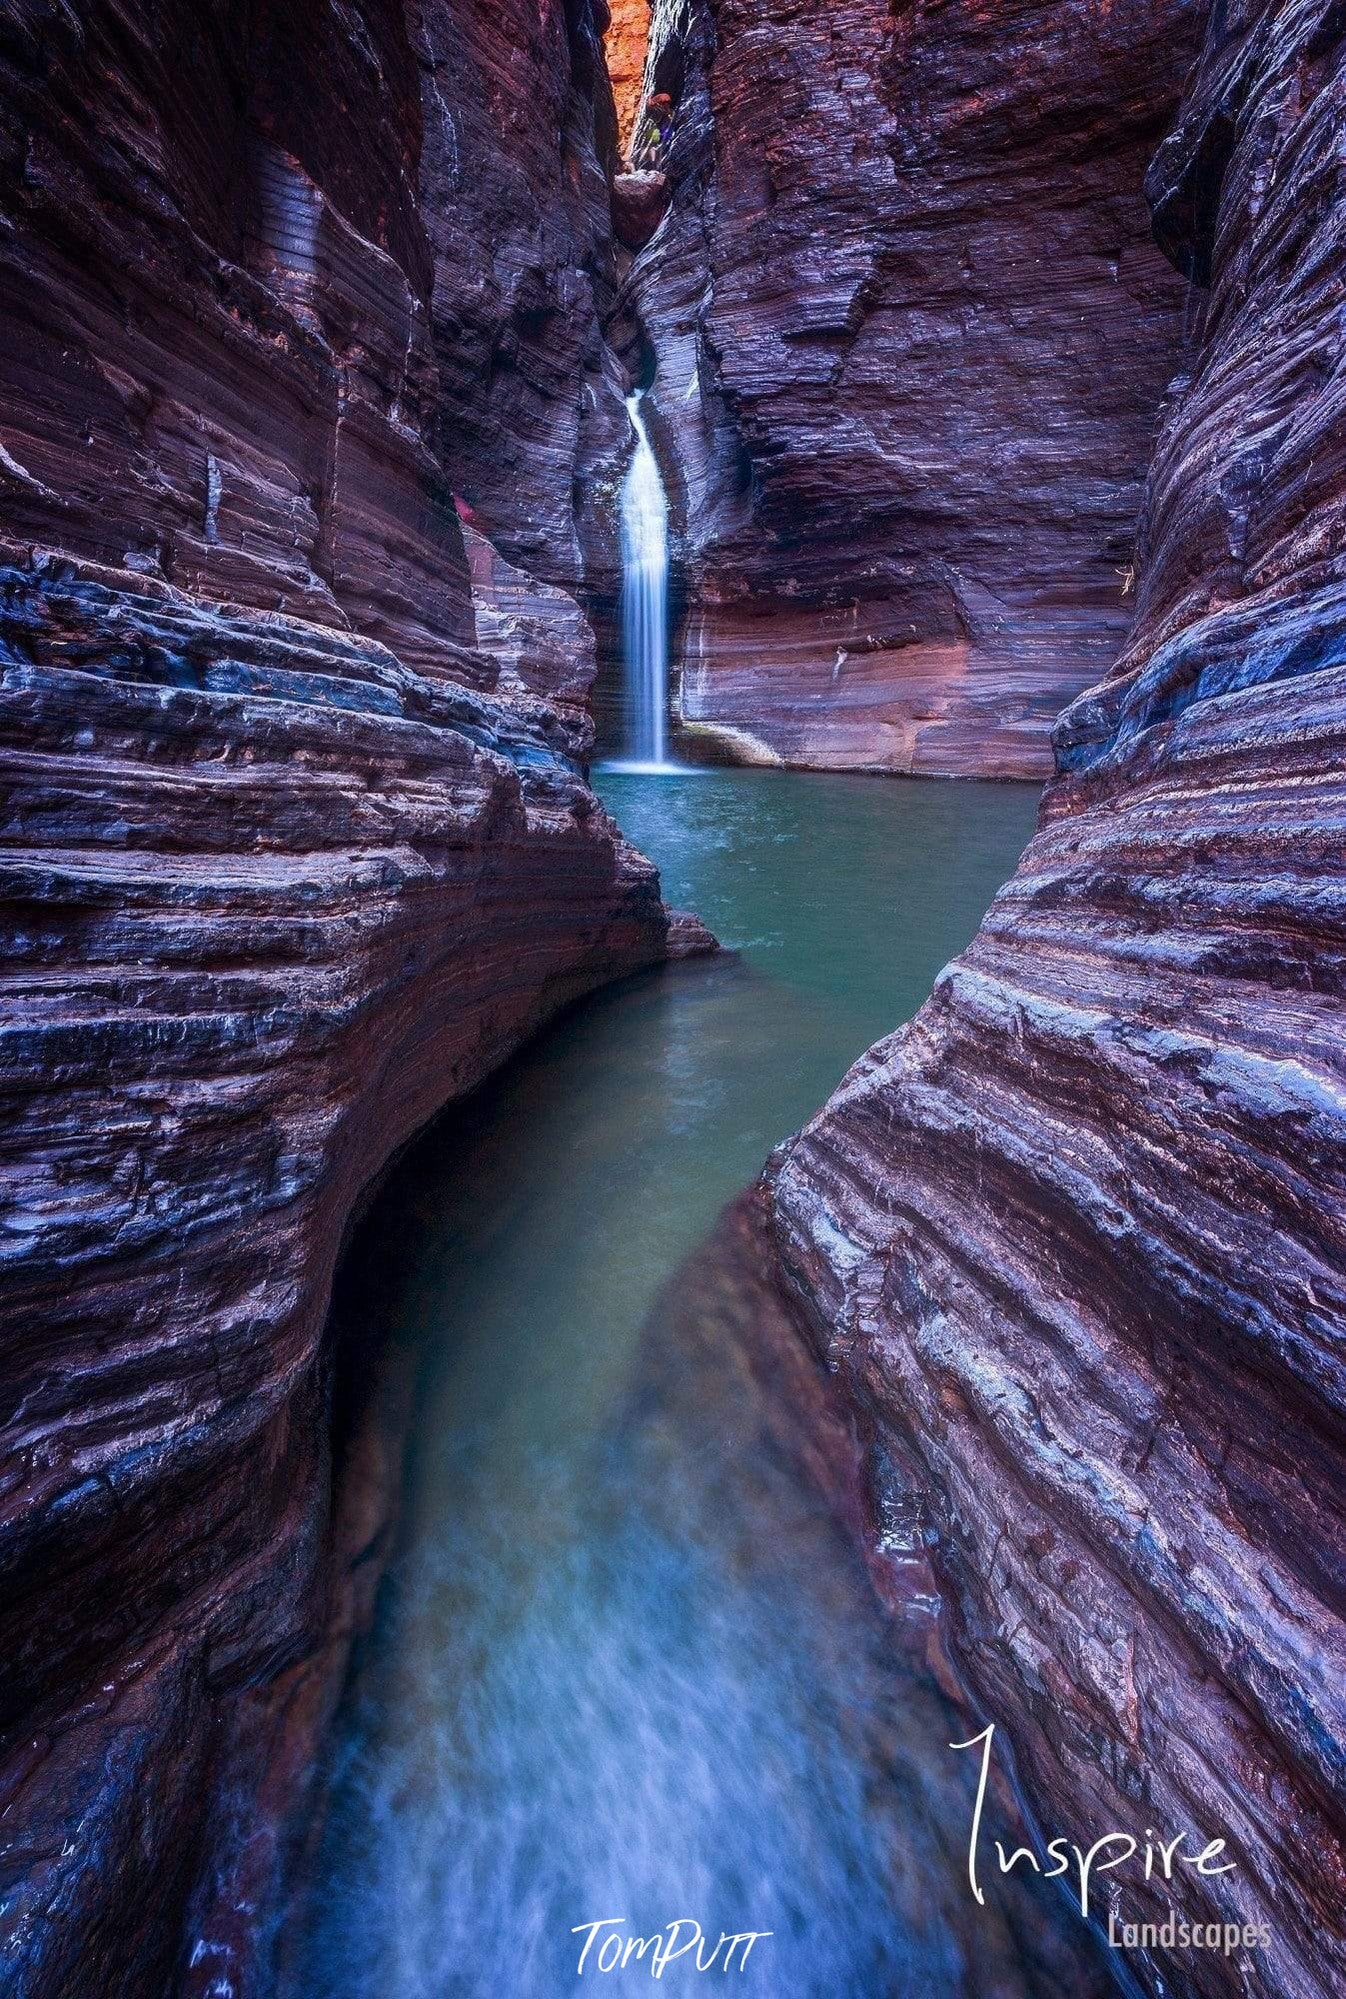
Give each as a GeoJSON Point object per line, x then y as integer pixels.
{"type": "Point", "coordinates": [519, 146]}
{"type": "Point", "coordinates": [535, 633]}
{"type": "Point", "coordinates": [1076, 1236]}
{"type": "Point", "coordinates": [296, 848]}
{"type": "Point", "coordinates": [639, 205]}
{"type": "Point", "coordinates": [912, 338]}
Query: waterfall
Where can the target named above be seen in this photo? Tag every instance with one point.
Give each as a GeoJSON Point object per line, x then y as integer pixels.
{"type": "Point", "coordinates": [645, 601]}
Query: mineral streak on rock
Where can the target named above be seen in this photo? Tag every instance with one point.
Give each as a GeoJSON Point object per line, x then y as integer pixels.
{"type": "Point", "coordinates": [1076, 1236]}
{"type": "Point", "coordinates": [296, 847]}
{"type": "Point", "coordinates": [912, 337]}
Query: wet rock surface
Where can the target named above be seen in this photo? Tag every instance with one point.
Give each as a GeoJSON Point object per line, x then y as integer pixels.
{"type": "Point", "coordinates": [1074, 1238]}
{"type": "Point", "coordinates": [296, 847]}
{"type": "Point", "coordinates": [912, 337]}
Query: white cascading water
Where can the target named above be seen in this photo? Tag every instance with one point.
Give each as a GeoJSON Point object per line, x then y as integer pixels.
{"type": "Point", "coordinates": [645, 601]}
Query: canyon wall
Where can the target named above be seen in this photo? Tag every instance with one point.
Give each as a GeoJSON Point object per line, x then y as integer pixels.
{"type": "Point", "coordinates": [296, 847]}
{"type": "Point", "coordinates": [912, 336]}
{"type": "Point", "coordinates": [1075, 1238]}
{"type": "Point", "coordinates": [625, 45]}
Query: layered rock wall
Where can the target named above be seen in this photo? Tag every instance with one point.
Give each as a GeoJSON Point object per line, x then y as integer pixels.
{"type": "Point", "coordinates": [1076, 1237]}
{"type": "Point", "coordinates": [912, 338]}
{"type": "Point", "coordinates": [520, 142]}
{"type": "Point", "coordinates": [289, 859]}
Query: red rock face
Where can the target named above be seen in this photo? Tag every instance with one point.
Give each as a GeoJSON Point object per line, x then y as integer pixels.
{"type": "Point", "coordinates": [296, 848]}
{"type": "Point", "coordinates": [1076, 1236]}
{"type": "Point", "coordinates": [625, 43]}
{"type": "Point", "coordinates": [912, 336]}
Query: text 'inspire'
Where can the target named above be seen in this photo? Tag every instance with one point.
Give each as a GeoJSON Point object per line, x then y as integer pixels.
{"type": "Point", "coordinates": [1159, 1857]}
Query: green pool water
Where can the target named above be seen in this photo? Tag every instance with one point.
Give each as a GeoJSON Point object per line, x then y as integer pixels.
{"type": "Point", "coordinates": [622, 1666]}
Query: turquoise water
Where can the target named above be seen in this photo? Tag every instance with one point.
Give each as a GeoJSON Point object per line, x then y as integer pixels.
{"type": "Point", "coordinates": [625, 1664]}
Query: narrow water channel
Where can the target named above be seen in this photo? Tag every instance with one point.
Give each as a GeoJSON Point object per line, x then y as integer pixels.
{"type": "Point", "coordinates": [625, 1664]}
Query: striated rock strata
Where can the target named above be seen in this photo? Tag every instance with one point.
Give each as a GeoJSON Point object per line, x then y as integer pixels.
{"type": "Point", "coordinates": [1076, 1237]}
{"type": "Point", "coordinates": [519, 143]}
{"type": "Point", "coordinates": [295, 847]}
{"type": "Point", "coordinates": [912, 337]}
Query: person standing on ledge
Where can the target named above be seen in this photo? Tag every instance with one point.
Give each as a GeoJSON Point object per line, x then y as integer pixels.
{"type": "Point", "coordinates": [652, 131]}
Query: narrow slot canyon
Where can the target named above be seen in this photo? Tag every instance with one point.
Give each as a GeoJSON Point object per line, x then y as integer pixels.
{"type": "Point", "coordinates": [675, 1133]}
